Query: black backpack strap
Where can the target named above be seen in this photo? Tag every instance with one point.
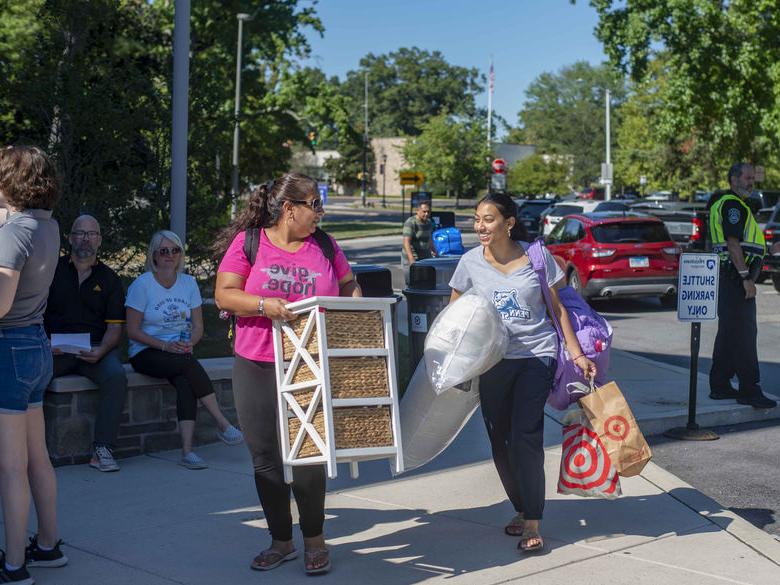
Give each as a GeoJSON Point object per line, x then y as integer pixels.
{"type": "Point", "coordinates": [251, 243]}
{"type": "Point", "coordinates": [326, 244]}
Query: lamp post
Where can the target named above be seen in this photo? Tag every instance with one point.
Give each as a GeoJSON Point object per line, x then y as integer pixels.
{"type": "Point", "coordinates": [384, 178]}
{"type": "Point", "coordinates": [234, 187]}
{"type": "Point", "coordinates": [365, 143]}
{"type": "Point", "coordinates": [608, 174]}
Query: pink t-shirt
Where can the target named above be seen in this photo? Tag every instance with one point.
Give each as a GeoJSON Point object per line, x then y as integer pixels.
{"type": "Point", "coordinates": [277, 273]}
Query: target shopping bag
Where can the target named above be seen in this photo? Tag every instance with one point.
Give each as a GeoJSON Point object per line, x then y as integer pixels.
{"type": "Point", "coordinates": [612, 420]}
{"type": "Point", "coordinates": [586, 469]}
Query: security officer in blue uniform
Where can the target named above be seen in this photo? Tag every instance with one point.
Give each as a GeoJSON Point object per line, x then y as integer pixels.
{"type": "Point", "coordinates": [739, 241]}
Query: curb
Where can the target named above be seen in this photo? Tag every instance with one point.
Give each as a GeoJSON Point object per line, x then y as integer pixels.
{"type": "Point", "coordinates": [762, 542]}
{"type": "Point", "coordinates": [708, 413]}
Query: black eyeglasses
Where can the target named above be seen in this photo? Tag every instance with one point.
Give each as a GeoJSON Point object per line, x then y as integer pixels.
{"type": "Point", "coordinates": [315, 204]}
{"type": "Point", "coordinates": [82, 234]}
{"type": "Point", "coordinates": [175, 251]}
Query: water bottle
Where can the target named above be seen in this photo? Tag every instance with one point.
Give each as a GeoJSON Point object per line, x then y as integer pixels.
{"type": "Point", "coordinates": [185, 336]}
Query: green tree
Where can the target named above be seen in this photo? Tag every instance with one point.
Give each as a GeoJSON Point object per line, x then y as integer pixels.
{"type": "Point", "coordinates": [723, 66]}
{"type": "Point", "coordinates": [407, 88]}
{"type": "Point", "coordinates": [564, 115]}
{"type": "Point", "coordinates": [539, 174]}
{"type": "Point", "coordinates": [451, 152]}
{"type": "Point", "coordinates": [90, 80]}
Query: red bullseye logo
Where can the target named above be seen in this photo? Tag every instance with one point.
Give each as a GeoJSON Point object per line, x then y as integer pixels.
{"type": "Point", "coordinates": [616, 428]}
{"type": "Point", "coordinates": [585, 464]}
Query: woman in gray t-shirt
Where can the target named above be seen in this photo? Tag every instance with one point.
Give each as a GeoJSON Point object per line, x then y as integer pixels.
{"type": "Point", "coordinates": [29, 248]}
{"type": "Point", "coordinates": [514, 391]}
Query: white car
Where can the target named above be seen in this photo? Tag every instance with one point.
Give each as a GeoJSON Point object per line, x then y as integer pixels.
{"type": "Point", "coordinates": [551, 216]}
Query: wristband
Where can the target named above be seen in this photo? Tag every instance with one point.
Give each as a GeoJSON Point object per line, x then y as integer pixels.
{"type": "Point", "coordinates": [578, 357]}
{"type": "Point", "coordinates": [260, 307]}
{"type": "Point", "coordinates": [743, 273]}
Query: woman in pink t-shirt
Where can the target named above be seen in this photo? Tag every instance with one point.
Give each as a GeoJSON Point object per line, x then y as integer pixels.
{"type": "Point", "coordinates": [290, 265]}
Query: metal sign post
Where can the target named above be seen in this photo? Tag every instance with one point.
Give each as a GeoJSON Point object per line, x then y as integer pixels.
{"type": "Point", "coordinates": [697, 301]}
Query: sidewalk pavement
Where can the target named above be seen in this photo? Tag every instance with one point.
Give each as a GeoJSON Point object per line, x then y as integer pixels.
{"type": "Point", "coordinates": [155, 523]}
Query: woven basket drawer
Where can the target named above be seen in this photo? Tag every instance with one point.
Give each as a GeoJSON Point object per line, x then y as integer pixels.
{"type": "Point", "coordinates": [356, 428]}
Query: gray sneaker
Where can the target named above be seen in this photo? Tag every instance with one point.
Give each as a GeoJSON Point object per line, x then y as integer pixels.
{"type": "Point", "coordinates": [193, 461]}
{"type": "Point", "coordinates": [103, 459]}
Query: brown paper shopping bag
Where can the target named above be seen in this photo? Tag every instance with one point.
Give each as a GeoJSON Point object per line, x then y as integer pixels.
{"type": "Point", "coordinates": [611, 418]}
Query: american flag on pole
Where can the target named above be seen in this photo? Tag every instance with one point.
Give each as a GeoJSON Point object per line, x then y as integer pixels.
{"type": "Point", "coordinates": [492, 77]}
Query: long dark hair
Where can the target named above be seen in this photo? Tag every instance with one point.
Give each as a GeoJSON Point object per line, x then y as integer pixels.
{"type": "Point", "coordinates": [507, 208]}
{"type": "Point", "coordinates": [265, 206]}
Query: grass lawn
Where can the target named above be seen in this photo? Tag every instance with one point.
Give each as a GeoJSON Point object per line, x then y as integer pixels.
{"type": "Point", "coordinates": [346, 230]}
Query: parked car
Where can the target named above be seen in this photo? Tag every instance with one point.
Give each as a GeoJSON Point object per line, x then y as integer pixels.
{"type": "Point", "coordinates": [613, 254]}
{"type": "Point", "coordinates": [687, 222]}
{"type": "Point", "coordinates": [768, 220]}
{"type": "Point", "coordinates": [528, 212]}
{"type": "Point", "coordinates": [593, 193]}
{"type": "Point", "coordinates": [553, 214]}
{"type": "Point", "coordinates": [762, 199]}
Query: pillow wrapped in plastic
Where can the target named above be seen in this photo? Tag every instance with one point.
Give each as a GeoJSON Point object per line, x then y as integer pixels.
{"type": "Point", "coordinates": [431, 421]}
{"type": "Point", "coordinates": [465, 340]}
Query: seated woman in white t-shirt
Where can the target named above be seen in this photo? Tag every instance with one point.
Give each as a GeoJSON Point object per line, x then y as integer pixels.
{"type": "Point", "coordinates": [164, 323]}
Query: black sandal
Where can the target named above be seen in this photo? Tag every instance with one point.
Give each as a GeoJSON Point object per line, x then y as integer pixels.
{"type": "Point", "coordinates": [516, 526]}
{"type": "Point", "coordinates": [527, 536]}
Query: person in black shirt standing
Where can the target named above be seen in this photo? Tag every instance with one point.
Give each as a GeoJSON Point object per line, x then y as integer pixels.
{"type": "Point", "coordinates": [86, 296]}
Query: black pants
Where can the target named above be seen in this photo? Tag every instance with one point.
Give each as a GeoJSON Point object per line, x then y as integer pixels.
{"type": "Point", "coordinates": [184, 373]}
{"type": "Point", "coordinates": [110, 377]}
{"type": "Point", "coordinates": [254, 391]}
{"type": "Point", "coordinates": [735, 350]}
{"type": "Point", "coordinates": [512, 395]}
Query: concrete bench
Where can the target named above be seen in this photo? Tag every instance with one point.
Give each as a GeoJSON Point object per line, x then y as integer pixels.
{"type": "Point", "coordinates": [148, 422]}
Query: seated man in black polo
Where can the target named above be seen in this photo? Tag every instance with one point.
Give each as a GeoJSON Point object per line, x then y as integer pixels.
{"type": "Point", "coordinates": [86, 296]}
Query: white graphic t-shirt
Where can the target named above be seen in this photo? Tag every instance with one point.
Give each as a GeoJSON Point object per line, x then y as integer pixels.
{"type": "Point", "coordinates": [517, 298]}
{"type": "Point", "coordinates": [165, 310]}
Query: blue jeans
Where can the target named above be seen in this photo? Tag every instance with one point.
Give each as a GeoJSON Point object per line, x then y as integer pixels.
{"type": "Point", "coordinates": [25, 368]}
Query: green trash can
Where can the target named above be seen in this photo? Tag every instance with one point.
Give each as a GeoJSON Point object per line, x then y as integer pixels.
{"type": "Point", "coordinates": [427, 294]}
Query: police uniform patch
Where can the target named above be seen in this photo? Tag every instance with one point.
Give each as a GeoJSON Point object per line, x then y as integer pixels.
{"type": "Point", "coordinates": [734, 215]}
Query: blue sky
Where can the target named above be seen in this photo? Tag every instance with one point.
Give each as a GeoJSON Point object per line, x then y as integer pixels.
{"type": "Point", "coordinates": [524, 37]}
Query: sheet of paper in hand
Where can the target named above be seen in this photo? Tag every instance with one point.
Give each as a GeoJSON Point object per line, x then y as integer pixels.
{"type": "Point", "coordinates": [73, 343]}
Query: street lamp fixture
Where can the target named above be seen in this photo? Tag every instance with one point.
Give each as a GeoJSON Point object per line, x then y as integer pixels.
{"type": "Point", "coordinates": [234, 187]}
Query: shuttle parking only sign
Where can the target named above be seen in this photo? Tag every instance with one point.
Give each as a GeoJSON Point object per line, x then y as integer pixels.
{"type": "Point", "coordinates": [697, 291]}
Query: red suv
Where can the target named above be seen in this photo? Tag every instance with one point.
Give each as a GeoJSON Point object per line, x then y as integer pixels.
{"type": "Point", "coordinates": [613, 254]}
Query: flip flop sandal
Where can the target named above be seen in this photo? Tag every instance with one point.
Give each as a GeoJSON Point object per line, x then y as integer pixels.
{"type": "Point", "coordinates": [516, 526]}
{"type": "Point", "coordinates": [527, 536]}
{"type": "Point", "coordinates": [313, 561]}
{"type": "Point", "coordinates": [270, 559]}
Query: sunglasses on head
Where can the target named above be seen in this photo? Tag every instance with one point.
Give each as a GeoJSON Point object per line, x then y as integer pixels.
{"type": "Point", "coordinates": [315, 204]}
{"type": "Point", "coordinates": [175, 251]}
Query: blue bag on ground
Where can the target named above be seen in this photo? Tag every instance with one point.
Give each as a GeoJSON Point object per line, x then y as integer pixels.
{"type": "Point", "coordinates": [593, 333]}
{"type": "Point", "coordinates": [448, 242]}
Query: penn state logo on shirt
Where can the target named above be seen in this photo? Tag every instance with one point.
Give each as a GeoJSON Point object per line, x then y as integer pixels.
{"type": "Point", "coordinates": [734, 215]}
{"type": "Point", "coordinates": [508, 307]}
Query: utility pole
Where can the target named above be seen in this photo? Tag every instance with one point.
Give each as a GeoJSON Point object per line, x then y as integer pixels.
{"type": "Point", "coordinates": [608, 182]}
{"type": "Point", "coordinates": [180, 108]}
{"type": "Point", "coordinates": [365, 142]}
{"type": "Point", "coordinates": [234, 185]}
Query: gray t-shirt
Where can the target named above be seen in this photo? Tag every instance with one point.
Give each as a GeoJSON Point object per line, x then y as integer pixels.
{"type": "Point", "coordinates": [30, 244]}
{"type": "Point", "coordinates": [518, 299]}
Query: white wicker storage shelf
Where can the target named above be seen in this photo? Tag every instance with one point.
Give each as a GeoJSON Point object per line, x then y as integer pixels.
{"type": "Point", "coordinates": [338, 401]}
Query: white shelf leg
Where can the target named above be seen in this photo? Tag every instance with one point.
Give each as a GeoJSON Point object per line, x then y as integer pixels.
{"type": "Point", "coordinates": [354, 472]}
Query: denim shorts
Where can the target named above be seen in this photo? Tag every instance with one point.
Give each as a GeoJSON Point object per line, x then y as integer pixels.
{"type": "Point", "coordinates": [26, 366]}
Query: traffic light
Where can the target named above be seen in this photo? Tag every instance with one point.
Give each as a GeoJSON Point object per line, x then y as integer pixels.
{"type": "Point", "coordinates": [312, 137]}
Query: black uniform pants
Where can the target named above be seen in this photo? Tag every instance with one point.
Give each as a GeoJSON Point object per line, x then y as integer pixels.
{"type": "Point", "coordinates": [735, 350]}
{"type": "Point", "coordinates": [254, 391]}
{"type": "Point", "coordinates": [512, 395]}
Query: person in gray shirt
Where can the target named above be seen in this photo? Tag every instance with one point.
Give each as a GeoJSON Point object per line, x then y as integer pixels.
{"type": "Point", "coordinates": [513, 393]}
{"type": "Point", "coordinates": [29, 248]}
